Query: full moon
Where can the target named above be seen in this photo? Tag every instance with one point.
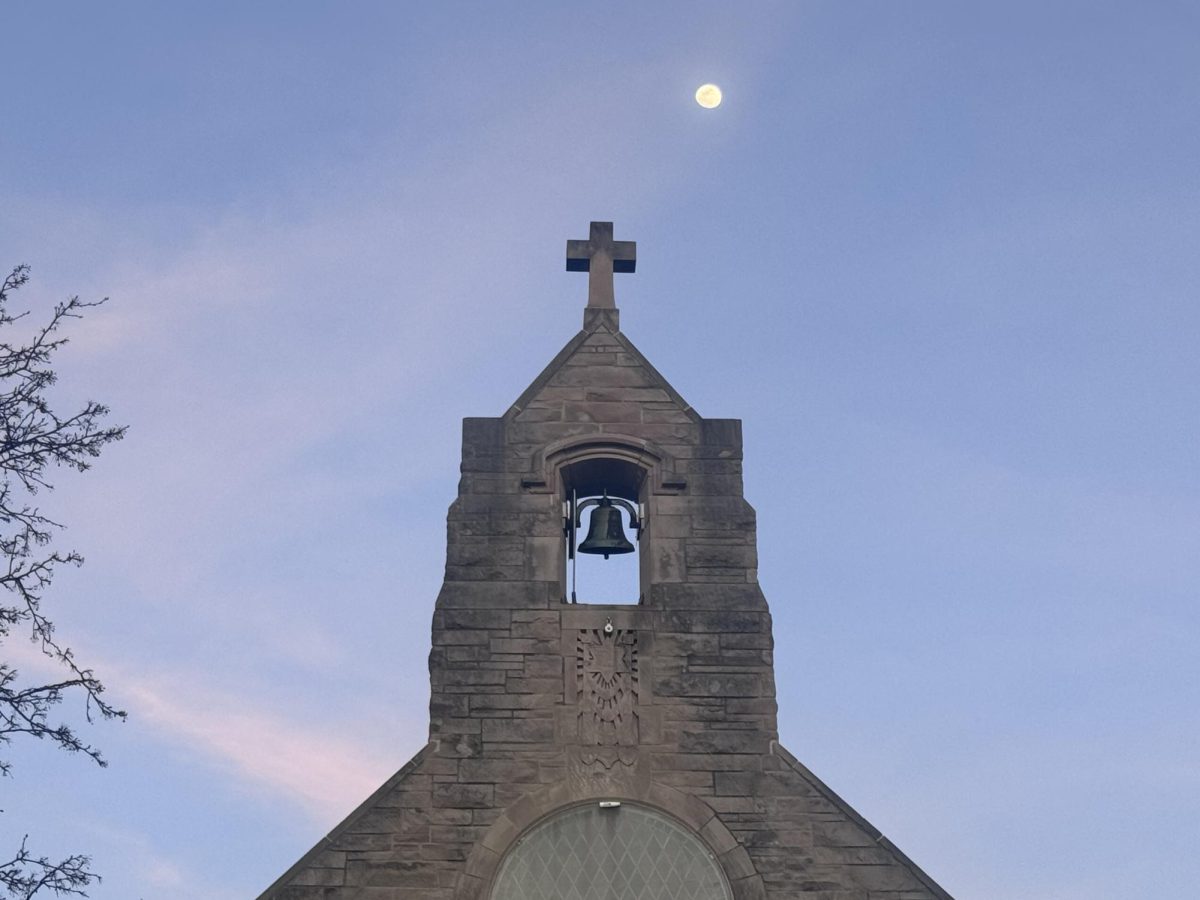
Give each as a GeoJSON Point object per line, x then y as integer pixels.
{"type": "Point", "coordinates": [708, 96]}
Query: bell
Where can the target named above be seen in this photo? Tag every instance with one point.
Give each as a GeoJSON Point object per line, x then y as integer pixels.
{"type": "Point", "coordinates": [605, 533]}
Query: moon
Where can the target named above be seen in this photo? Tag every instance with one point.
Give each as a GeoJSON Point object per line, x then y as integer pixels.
{"type": "Point", "coordinates": [708, 96]}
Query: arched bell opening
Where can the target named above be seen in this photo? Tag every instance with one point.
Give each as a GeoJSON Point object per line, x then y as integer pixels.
{"type": "Point", "coordinates": [590, 477]}
{"type": "Point", "coordinates": [603, 520]}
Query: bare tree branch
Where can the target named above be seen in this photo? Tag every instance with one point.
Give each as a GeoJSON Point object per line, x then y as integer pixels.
{"type": "Point", "coordinates": [35, 438]}
{"type": "Point", "coordinates": [25, 874]}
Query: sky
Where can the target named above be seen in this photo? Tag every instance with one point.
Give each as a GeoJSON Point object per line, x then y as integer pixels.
{"type": "Point", "coordinates": [940, 258]}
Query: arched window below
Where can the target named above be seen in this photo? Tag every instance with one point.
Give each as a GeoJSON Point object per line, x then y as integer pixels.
{"type": "Point", "coordinates": [622, 852]}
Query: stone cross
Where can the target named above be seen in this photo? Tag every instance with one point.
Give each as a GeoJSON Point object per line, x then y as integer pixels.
{"type": "Point", "coordinates": [600, 256]}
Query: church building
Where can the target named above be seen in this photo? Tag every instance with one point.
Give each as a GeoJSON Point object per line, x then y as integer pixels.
{"type": "Point", "coordinates": [602, 751]}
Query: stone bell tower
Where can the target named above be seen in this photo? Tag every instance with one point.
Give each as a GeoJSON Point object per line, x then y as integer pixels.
{"type": "Point", "coordinates": [584, 751]}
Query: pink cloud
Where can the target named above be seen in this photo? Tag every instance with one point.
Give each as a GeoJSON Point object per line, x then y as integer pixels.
{"type": "Point", "coordinates": [326, 774]}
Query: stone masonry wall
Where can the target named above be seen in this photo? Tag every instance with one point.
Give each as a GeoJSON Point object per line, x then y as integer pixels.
{"type": "Point", "coordinates": [537, 704]}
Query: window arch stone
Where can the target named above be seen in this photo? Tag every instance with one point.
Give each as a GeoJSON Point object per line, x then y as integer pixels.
{"type": "Point", "coordinates": [689, 811]}
{"type": "Point", "coordinates": [614, 852]}
{"type": "Point", "coordinates": [647, 463]}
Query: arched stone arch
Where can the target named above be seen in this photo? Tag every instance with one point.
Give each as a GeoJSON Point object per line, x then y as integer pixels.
{"type": "Point", "coordinates": [658, 467]}
{"type": "Point", "coordinates": [689, 811]}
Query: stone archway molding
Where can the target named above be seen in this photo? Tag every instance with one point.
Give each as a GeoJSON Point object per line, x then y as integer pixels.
{"type": "Point", "coordinates": [482, 865]}
{"type": "Point", "coordinates": [660, 466]}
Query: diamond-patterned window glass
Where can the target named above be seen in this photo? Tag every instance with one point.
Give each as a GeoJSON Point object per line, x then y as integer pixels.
{"type": "Point", "coordinates": [624, 853]}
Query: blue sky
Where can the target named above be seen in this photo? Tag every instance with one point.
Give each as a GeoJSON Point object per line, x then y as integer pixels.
{"type": "Point", "coordinates": [939, 257]}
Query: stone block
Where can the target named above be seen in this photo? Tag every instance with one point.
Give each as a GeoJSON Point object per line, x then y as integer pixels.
{"type": "Point", "coordinates": [549, 394]}
{"type": "Point", "coordinates": [457, 619]}
{"type": "Point", "coordinates": [716, 484]}
{"type": "Point", "coordinates": [446, 638]}
{"type": "Point", "coordinates": [524, 730]}
{"type": "Point", "coordinates": [544, 555]}
{"type": "Point", "coordinates": [720, 621]}
{"type": "Point", "coordinates": [543, 686]}
{"type": "Point", "coordinates": [601, 411]}
{"type": "Point", "coordinates": [721, 433]}
{"type": "Point", "coordinates": [668, 433]}
{"type": "Point", "coordinates": [693, 782]}
{"type": "Point", "coordinates": [711, 510]}
{"type": "Point", "coordinates": [728, 660]}
{"type": "Point", "coordinates": [452, 705]}
{"type": "Point", "coordinates": [675, 711]}
{"type": "Point", "coordinates": [666, 561]}
{"type": "Point", "coordinates": [496, 551]}
{"type": "Point", "coordinates": [703, 762]}
{"type": "Point", "coordinates": [465, 654]}
{"type": "Point", "coordinates": [321, 876]}
{"type": "Point", "coordinates": [544, 666]}
{"type": "Point", "coordinates": [469, 726]}
{"type": "Point", "coordinates": [646, 398]}
{"type": "Point", "coordinates": [456, 834]}
{"type": "Point", "coordinates": [757, 706]}
{"type": "Point", "coordinates": [840, 833]}
{"type": "Point", "coordinates": [747, 640]}
{"type": "Point", "coordinates": [522, 594]}
{"type": "Point", "coordinates": [720, 556]}
{"type": "Point", "coordinates": [714, 685]}
{"type": "Point", "coordinates": [463, 796]}
{"type": "Point", "coordinates": [602, 376]}
{"type": "Point", "coordinates": [543, 433]}
{"type": "Point", "coordinates": [496, 507]}
{"type": "Point", "coordinates": [498, 771]}
{"type": "Point", "coordinates": [523, 645]}
{"type": "Point", "coordinates": [442, 851]}
{"type": "Point", "coordinates": [665, 414]}
{"type": "Point", "coordinates": [543, 626]}
{"type": "Point", "coordinates": [491, 703]}
{"type": "Point", "coordinates": [473, 676]}
{"type": "Point", "coordinates": [717, 576]}
{"type": "Point", "coordinates": [707, 466]}
{"type": "Point", "coordinates": [484, 573]}
{"type": "Point", "coordinates": [519, 523]}
{"type": "Point", "coordinates": [455, 745]}
{"type": "Point", "coordinates": [709, 741]}
{"type": "Point", "coordinates": [660, 526]}
{"type": "Point", "coordinates": [679, 597]}
{"type": "Point", "coordinates": [751, 888]}
{"type": "Point", "coordinates": [737, 783]}
{"type": "Point", "coordinates": [488, 483]}
{"type": "Point", "coordinates": [668, 644]}
{"type": "Point", "coordinates": [546, 413]}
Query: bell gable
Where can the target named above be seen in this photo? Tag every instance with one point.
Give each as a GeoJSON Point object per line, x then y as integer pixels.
{"type": "Point", "coordinates": [566, 737]}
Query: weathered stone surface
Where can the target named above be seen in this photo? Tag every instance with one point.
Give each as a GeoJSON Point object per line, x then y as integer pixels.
{"type": "Point", "coordinates": [535, 707]}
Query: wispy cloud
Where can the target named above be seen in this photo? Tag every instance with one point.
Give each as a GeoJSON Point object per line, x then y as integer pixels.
{"type": "Point", "coordinates": [324, 773]}
{"type": "Point", "coordinates": [157, 875]}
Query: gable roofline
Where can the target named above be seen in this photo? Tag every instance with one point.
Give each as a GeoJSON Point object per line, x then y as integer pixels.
{"type": "Point", "coordinates": [778, 750]}
{"type": "Point", "coordinates": [593, 324]}
{"type": "Point", "coordinates": [327, 842]}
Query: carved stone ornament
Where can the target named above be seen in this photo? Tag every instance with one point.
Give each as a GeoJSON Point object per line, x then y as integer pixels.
{"type": "Point", "coordinates": [607, 683]}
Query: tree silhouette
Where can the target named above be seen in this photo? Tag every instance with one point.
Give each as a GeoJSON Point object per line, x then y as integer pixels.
{"type": "Point", "coordinates": [35, 438]}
